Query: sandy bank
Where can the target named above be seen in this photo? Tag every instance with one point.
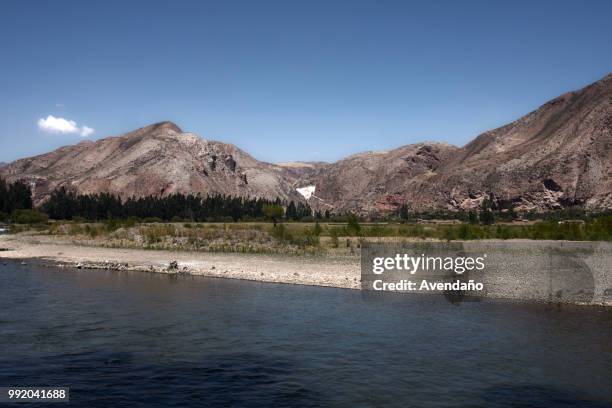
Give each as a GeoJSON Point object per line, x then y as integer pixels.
{"type": "Point", "coordinates": [541, 271]}
{"type": "Point", "coordinates": [319, 271]}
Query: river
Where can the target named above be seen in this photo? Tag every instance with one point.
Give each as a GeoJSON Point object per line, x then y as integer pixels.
{"type": "Point", "coordinates": [139, 339]}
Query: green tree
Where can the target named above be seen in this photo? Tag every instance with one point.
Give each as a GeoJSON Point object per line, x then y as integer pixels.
{"type": "Point", "coordinates": [486, 217]}
{"type": "Point", "coordinates": [274, 212]}
{"type": "Point", "coordinates": [511, 214]}
{"type": "Point", "coordinates": [317, 229]}
{"type": "Point", "coordinates": [353, 227]}
{"type": "Point", "coordinates": [403, 212]}
{"type": "Point", "coordinates": [473, 217]}
{"type": "Point", "coordinates": [291, 212]}
{"type": "Point", "coordinates": [14, 196]}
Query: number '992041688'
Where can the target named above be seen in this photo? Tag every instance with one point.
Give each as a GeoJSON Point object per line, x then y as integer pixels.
{"type": "Point", "coordinates": [50, 394]}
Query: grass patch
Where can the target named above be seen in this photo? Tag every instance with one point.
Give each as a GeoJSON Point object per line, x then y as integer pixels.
{"type": "Point", "coordinates": [306, 238]}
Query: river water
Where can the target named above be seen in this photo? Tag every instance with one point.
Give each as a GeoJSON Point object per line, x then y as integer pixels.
{"type": "Point", "coordinates": [138, 339]}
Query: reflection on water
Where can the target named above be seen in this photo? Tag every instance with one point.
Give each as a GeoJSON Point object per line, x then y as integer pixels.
{"type": "Point", "coordinates": [136, 339]}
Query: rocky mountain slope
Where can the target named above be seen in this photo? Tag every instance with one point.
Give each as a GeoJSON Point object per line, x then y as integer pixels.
{"type": "Point", "coordinates": [558, 155]}
{"type": "Point", "coordinates": [155, 160]}
{"type": "Point", "coordinates": [374, 182]}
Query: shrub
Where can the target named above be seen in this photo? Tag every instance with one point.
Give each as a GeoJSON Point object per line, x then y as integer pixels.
{"type": "Point", "coordinates": [280, 232]}
{"type": "Point", "coordinates": [377, 231]}
{"type": "Point", "coordinates": [131, 222]}
{"type": "Point", "coordinates": [334, 238]}
{"type": "Point", "coordinates": [473, 217]}
{"type": "Point", "coordinates": [305, 239]}
{"type": "Point", "coordinates": [317, 229]}
{"type": "Point", "coordinates": [273, 212]}
{"type": "Point", "coordinates": [112, 224]}
{"type": "Point", "coordinates": [93, 230]}
{"type": "Point", "coordinates": [28, 217]}
{"type": "Point", "coordinates": [464, 232]}
{"type": "Point", "coordinates": [448, 233]}
{"type": "Point", "coordinates": [353, 227]}
{"type": "Point", "coordinates": [486, 217]}
{"type": "Point", "coordinates": [154, 234]}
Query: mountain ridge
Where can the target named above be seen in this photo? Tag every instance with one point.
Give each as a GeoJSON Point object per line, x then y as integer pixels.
{"type": "Point", "coordinates": [558, 155]}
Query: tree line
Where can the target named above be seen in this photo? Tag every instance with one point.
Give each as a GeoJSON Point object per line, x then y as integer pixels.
{"type": "Point", "coordinates": [16, 200]}
{"type": "Point", "coordinates": [65, 204]}
{"type": "Point", "coordinates": [14, 196]}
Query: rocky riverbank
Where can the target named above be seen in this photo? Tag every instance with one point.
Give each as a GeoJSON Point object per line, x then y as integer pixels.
{"type": "Point", "coordinates": [342, 272]}
{"type": "Point", "coordinates": [540, 271]}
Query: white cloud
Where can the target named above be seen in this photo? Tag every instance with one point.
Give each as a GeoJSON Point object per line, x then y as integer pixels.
{"type": "Point", "coordinates": [57, 125]}
{"type": "Point", "coordinates": [86, 131]}
{"type": "Point", "coordinates": [64, 126]}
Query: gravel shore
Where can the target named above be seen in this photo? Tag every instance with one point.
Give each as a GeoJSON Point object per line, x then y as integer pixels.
{"type": "Point", "coordinates": [302, 270]}
{"type": "Point", "coordinates": [540, 271]}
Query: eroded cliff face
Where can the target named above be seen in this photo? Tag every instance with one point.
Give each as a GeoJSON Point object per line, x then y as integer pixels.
{"type": "Point", "coordinates": [558, 155]}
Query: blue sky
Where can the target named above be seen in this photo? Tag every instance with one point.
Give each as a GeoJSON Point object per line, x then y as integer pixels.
{"type": "Point", "coordinates": [290, 80]}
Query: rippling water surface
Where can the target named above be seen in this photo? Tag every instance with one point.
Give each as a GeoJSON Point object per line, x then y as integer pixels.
{"type": "Point", "coordinates": [136, 339]}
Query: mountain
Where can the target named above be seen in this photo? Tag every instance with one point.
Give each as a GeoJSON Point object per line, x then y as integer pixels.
{"type": "Point", "coordinates": [155, 160]}
{"type": "Point", "coordinates": [374, 182]}
{"type": "Point", "coordinates": [556, 156]}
